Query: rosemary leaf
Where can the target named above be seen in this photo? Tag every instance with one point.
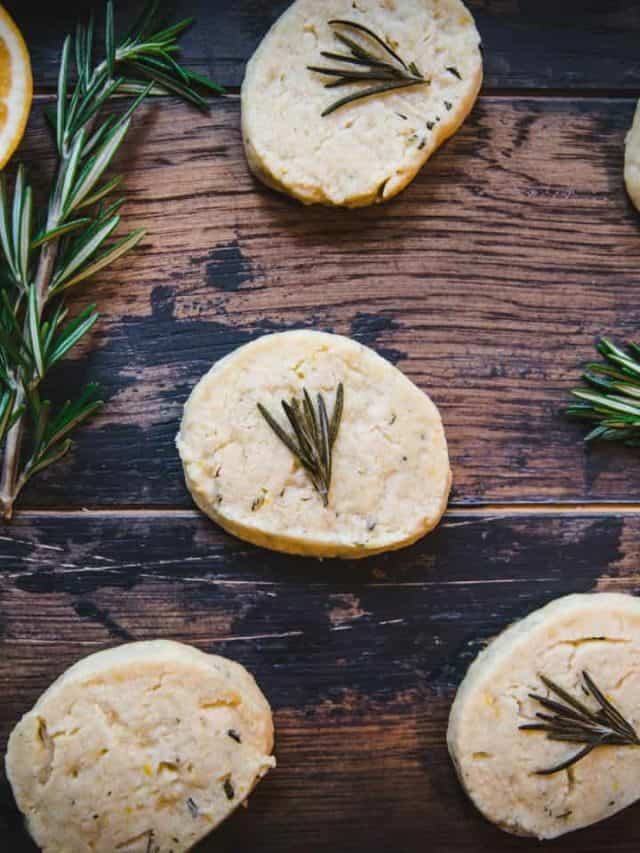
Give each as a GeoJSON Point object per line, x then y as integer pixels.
{"type": "Point", "coordinates": [142, 27]}
{"type": "Point", "coordinates": [100, 192]}
{"type": "Point", "coordinates": [364, 93]}
{"type": "Point", "coordinates": [5, 230]}
{"type": "Point", "coordinates": [336, 417]}
{"type": "Point", "coordinates": [96, 166]}
{"type": "Point", "coordinates": [353, 60]}
{"type": "Point", "coordinates": [204, 82]}
{"type": "Point", "coordinates": [109, 40]}
{"type": "Point", "coordinates": [33, 326]}
{"type": "Point", "coordinates": [38, 264]}
{"type": "Point", "coordinates": [70, 169]}
{"type": "Point", "coordinates": [612, 395]}
{"type": "Point", "coordinates": [350, 76]}
{"type": "Point", "coordinates": [50, 327]}
{"type": "Point", "coordinates": [153, 70]}
{"type": "Point", "coordinates": [377, 62]}
{"type": "Point", "coordinates": [70, 416]}
{"type": "Point", "coordinates": [72, 333]}
{"type": "Point", "coordinates": [55, 233]}
{"type": "Point", "coordinates": [41, 411]}
{"type": "Point", "coordinates": [83, 250]}
{"type": "Point", "coordinates": [575, 722]}
{"type": "Point", "coordinates": [17, 219]}
{"type": "Point", "coordinates": [6, 408]}
{"type": "Point", "coordinates": [108, 257]}
{"type": "Point", "coordinates": [169, 35]}
{"type": "Point", "coordinates": [62, 93]}
{"type": "Point", "coordinates": [339, 22]}
{"type": "Point", "coordinates": [23, 241]}
{"type": "Point", "coordinates": [314, 435]}
{"type": "Point", "coordinates": [46, 459]}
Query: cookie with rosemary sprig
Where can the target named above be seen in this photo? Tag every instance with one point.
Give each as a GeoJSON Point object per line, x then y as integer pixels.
{"type": "Point", "coordinates": [310, 443]}
{"type": "Point", "coordinates": [544, 731]}
{"type": "Point", "coordinates": [343, 103]}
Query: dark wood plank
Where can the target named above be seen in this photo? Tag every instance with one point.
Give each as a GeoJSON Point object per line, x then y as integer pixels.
{"type": "Point", "coordinates": [360, 661]}
{"type": "Point", "coordinates": [487, 282]}
{"type": "Point", "coordinates": [527, 43]}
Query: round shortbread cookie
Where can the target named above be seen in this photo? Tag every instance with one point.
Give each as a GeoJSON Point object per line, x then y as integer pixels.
{"type": "Point", "coordinates": [368, 151]}
{"type": "Point", "coordinates": [632, 160]}
{"type": "Point", "coordinates": [144, 747]}
{"type": "Point", "coordinates": [391, 475]}
{"type": "Point", "coordinates": [499, 764]}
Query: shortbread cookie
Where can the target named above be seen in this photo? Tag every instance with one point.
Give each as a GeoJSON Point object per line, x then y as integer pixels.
{"type": "Point", "coordinates": [140, 748]}
{"type": "Point", "coordinates": [390, 476]}
{"type": "Point", "coordinates": [509, 772]}
{"type": "Point", "coordinates": [367, 151]}
{"type": "Point", "coordinates": [632, 160]}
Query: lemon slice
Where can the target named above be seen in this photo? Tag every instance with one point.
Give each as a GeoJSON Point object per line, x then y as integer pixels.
{"type": "Point", "coordinates": [16, 86]}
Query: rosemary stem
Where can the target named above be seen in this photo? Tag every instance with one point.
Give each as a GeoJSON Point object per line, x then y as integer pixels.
{"type": "Point", "coordinates": [35, 333]}
{"type": "Point", "coordinates": [9, 485]}
{"type": "Point", "coordinates": [49, 252]}
{"type": "Point", "coordinates": [10, 461]}
{"type": "Point", "coordinates": [46, 264]}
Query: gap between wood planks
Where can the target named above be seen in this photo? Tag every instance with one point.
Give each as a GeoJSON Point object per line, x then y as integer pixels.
{"type": "Point", "coordinates": [478, 510]}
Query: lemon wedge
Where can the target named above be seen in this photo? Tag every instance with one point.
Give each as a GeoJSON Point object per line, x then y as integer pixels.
{"type": "Point", "coordinates": [16, 86]}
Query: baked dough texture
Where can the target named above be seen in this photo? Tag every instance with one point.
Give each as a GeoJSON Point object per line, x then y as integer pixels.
{"type": "Point", "coordinates": [497, 763]}
{"type": "Point", "coordinates": [632, 160]}
{"type": "Point", "coordinates": [391, 475]}
{"type": "Point", "coordinates": [368, 151]}
{"type": "Point", "coordinates": [144, 747]}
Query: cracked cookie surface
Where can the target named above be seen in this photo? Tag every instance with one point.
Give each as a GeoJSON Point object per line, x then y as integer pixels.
{"type": "Point", "coordinates": [391, 477]}
{"type": "Point", "coordinates": [498, 763]}
{"type": "Point", "coordinates": [368, 151]}
{"type": "Point", "coordinates": [147, 746]}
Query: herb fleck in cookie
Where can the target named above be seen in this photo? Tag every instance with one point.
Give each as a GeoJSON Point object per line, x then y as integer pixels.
{"type": "Point", "coordinates": [144, 747]}
{"type": "Point", "coordinates": [544, 729]}
{"type": "Point", "coordinates": [310, 443]}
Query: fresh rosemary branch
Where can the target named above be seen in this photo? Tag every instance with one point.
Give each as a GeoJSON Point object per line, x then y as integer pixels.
{"type": "Point", "coordinates": [612, 398]}
{"type": "Point", "coordinates": [370, 60]}
{"type": "Point", "coordinates": [43, 256]}
{"type": "Point", "coordinates": [574, 722]}
{"type": "Point", "coordinates": [314, 435]}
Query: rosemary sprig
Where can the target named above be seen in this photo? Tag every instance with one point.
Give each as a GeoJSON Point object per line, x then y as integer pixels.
{"type": "Point", "coordinates": [43, 256]}
{"type": "Point", "coordinates": [314, 435]}
{"type": "Point", "coordinates": [574, 722]}
{"type": "Point", "coordinates": [372, 60]}
{"type": "Point", "coordinates": [612, 398]}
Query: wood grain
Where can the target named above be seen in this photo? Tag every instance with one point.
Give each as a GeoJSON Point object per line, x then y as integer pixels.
{"type": "Point", "coordinates": [527, 43]}
{"type": "Point", "coordinates": [487, 281]}
{"type": "Point", "coordinates": [360, 661]}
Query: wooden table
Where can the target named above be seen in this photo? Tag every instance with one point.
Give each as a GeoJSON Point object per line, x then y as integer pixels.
{"type": "Point", "coordinates": [487, 281]}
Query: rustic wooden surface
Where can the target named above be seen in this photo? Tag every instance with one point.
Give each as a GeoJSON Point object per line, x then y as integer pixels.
{"type": "Point", "coordinates": [590, 44]}
{"type": "Point", "coordinates": [487, 282]}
